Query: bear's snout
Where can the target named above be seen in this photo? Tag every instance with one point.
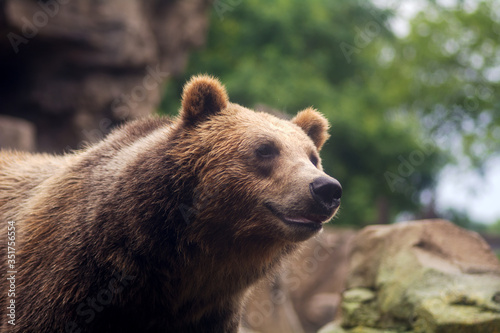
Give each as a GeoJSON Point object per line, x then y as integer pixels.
{"type": "Point", "coordinates": [326, 191]}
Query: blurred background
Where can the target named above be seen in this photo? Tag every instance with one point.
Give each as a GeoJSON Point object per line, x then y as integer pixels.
{"type": "Point", "coordinates": [411, 88]}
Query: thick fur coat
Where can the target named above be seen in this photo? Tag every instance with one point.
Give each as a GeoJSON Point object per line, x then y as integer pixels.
{"type": "Point", "coordinates": [166, 224]}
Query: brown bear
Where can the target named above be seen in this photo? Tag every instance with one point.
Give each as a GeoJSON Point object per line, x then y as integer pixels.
{"type": "Point", "coordinates": [165, 225]}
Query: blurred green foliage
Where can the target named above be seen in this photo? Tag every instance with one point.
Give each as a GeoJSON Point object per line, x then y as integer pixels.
{"type": "Point", "coordinates": [447, 73]}
{"type": "Point", "coordinates": [383, 95]}
{"type": "Point", "coordinates": [495, 228]}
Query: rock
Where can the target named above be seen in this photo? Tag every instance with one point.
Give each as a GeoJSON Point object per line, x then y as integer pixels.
{"type": "Point", "coordinates": [77, 68]}
{"type": "Point", "coordinates": [307, 293]}
{"type": "Point", "coordinates": [16, 134]}
{"type": "Point", "coordinates": [321, 308]}
{"type": "Point", "coordinates": [271, 310]}
{"type": "Point", "coordinates": [317, 278]}
{"type": "Point", "coordinates": [437, 315]}
{"type": "Point", "coordinates": [337, 328]}
{"type": "Point", "coordinates": [359, 306]}
{"type": "Point", "coordinates": [422, 276]}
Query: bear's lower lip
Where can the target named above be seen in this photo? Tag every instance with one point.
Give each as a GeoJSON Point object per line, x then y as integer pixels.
{"type": "Point", "coordinates": [303, 219]}
{"type": "Point", "coordinates": [302, 223]}
{"type": "Point", "coordinates": [313, 221]}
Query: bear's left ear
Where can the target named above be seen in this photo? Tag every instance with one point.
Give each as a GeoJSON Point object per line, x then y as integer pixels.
{"type": "Point", "coordinates": [203, 96]}
{"type": "Point", "coordinates": [314, 124]}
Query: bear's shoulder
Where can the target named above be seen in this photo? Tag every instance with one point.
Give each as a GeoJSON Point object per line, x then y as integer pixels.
{"type": "Point", "coordinates": [127, 135]}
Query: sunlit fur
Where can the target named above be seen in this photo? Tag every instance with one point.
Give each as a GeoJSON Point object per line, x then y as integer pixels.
{"type": "Point", "coordinates": [179, 206]}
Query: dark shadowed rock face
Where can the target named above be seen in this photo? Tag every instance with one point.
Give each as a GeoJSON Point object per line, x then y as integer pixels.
{"type": "Point", "coordinates": [75, 68]}
{"type": "Point", "coordinates": [16, 133]}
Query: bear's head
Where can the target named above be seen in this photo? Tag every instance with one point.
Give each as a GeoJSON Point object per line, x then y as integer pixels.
{"type": "Point", "coordinates": [256, 175]}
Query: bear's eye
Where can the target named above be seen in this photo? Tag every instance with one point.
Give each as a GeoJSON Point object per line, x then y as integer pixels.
{"type": "Point", "coordinates": [266, 151]}
{"type": "Point", "coordinates": [314, 160]}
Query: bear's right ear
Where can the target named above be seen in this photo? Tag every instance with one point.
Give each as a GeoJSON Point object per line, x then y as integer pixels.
{"type": "Point", "coordinates": [203, 96]}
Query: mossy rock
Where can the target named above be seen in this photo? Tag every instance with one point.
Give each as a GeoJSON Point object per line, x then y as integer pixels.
{"type": "Point", "coordinates": [336, 328]}
{"type": "Point", "coordinates": [424, 277]}
{"type": "Point", "coordinates": [437, 316]}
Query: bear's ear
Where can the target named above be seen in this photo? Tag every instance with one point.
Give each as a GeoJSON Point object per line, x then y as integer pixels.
{"type": "Point", "coordinates": [203, 96]}
{"type": "Point", "coordinates": [314, 124]}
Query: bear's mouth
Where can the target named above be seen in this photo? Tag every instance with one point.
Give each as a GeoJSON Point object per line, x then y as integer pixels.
{"type": "Point", "coordinates": [306, 220]}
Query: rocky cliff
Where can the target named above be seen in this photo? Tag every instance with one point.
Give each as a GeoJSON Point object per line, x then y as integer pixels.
{"type": "Point", "coordinates": [75, 68]}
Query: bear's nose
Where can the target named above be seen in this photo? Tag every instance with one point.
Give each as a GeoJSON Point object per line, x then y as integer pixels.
{"type": "Point", "coordinates": [326, 191]}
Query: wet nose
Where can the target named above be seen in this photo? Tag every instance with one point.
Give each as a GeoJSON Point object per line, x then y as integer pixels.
{"type": "Point", "coordinates": [326, 191]}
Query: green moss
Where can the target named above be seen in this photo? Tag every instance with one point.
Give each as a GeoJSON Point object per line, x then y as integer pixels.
{"type": "Point", "coordinates": [335, 328]}
{"type": "Point", "coordinates": [434, 315]}
{"type": "Point", "coordinates": [359, 307]}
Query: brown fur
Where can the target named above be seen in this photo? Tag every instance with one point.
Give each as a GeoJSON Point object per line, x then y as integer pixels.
{"type": "Point", "coordinates": [161, 227]}
{"type": "Point", "coordinates": [315, 127]}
